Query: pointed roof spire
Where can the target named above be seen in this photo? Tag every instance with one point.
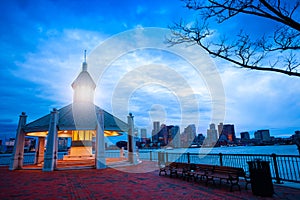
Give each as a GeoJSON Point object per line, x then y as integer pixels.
{"type": "Point", "coordinates": [84, 64]}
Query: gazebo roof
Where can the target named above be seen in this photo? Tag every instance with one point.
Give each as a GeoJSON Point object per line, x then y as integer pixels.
{"type": "Point", "coordinates": [78, 117]}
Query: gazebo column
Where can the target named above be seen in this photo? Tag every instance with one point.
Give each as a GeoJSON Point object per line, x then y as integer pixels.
{"type": "Point", "coordinates": [18, 152]}
{"type": "Point", "coordinates": [131, 146]}
{"type": "Point", "coordinates": [40, 151]}
{"type": "Point", "coordinates": [100, 144]}
{"type": "Point", "coordinates": [51, 149]}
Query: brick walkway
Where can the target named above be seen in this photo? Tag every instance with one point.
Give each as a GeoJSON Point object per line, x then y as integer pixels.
{"type": "Point", "coordinates": [128, 182]}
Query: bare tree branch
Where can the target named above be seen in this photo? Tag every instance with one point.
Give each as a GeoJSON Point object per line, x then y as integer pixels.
{"type": "Point", "coordinates": [278, 52]}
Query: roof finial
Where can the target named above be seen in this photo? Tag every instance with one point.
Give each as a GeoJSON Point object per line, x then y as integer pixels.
{"type": "Point", "coordinates": [84, 64]}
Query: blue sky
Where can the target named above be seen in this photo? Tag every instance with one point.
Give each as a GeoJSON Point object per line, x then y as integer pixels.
{"type": "Point", "coordinates": [42, 50]}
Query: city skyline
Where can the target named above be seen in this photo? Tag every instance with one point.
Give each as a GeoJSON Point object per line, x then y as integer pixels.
{"type": "Point", "coordinates": [218, 131]}
{"type": "Point", "coordinates": [43, 44]}
{"type": "Point", "coordinates": [166, 136]}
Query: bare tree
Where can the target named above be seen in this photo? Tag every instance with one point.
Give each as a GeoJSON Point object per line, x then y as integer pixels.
{"type": "Point", "coordinates": [276, 51]}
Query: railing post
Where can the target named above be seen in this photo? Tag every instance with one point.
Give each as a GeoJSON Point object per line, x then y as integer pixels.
{"type": "Point", "coordinates": [221, 159]}
{"type": "Point", "coordinates": [167, 157]}
{"type": "Point", "coordinates": [159, 157]}
{"type": "Point", "coordinates": [276, 168]}
{"type": "Point", "coordinates": [188, 157]}
{"type": "Point", "coordinates": [150, 155]}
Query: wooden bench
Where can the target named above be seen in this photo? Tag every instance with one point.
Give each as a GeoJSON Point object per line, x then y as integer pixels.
{"type": "Point", "coordinates": [230, 174]}
{"type": "Point", "coordinates": [163, 167]}
{"type": "Point", "coordinates": [174, 168]}
{"type": "Point", "coordinates": [178, 169]}
{"type": "Point", "coordinates": [202, 170]}
{"type": "Point", "coordinates": [208, 172]}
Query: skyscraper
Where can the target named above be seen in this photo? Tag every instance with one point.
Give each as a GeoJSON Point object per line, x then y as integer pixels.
{"type": "Point", "coordinates": [174, 133]}
{"type": "Point", "coordinates": [143, 135]}
{"type": "Point", "coordinates": [220, 128]}
{"type": "Point", "coordinates": [169, 135]}
{"type": "Point", "coordinates": [163, 135]}
{"type": "Point", "coordinates": [156, 128]}
{"type": "Point", "coordinates": [262, 135]}
{"type": "Point", "coordinates": [190, 130]}
{"type": "Point", "coordinates": [228, 131]}
{"type": "Point", "coordinates": [245, 136]}
{"type": "Point", "coordinates": [212, 135]}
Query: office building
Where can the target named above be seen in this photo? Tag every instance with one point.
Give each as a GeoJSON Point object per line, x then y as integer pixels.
{"type": "Point", "coordinates": [212, 135]}
{"type": "Point", "coordinates": [262, 135]}
{"type": "Point", "coordinates": [245, 136]}
{"type": "Point", "coordinates": [143, 135]}
{"type": "Point", "coordinates": [174, 136]}
{"type": "Point", "coordinates": [228, 131]}
{"type": "Point", "coordinates": [156, 129]}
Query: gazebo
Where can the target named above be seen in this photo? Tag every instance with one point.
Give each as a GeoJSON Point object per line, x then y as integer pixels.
{"type": "Point", "coordinates": [81, 120]}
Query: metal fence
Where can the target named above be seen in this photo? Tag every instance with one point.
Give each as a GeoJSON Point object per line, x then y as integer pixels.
{"type": "Point", "coordinates": [283, 167]}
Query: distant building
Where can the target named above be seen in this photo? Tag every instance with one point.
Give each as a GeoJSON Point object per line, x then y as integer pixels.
{"type": "Point", "coordinates": [220, 128]}
{"type": "Point", "coordinates": [143, 135]}
{"type": "Point", "coordinates": [169, 135]}
{"type": "Point", "coordinates": [245, 136]}
{"type": "Point", "coordinates": [156, 129]}
{"type": "Point", "coordinates": [188, 135]}
{"type": "Point", "coordinates": [228, 131]}
{"type": "Point", "coordinates": [200, 138]}
{"type": "Point", "coordinates": [262, 135]}
{"type": "Point", "coordinates": [183, 140]}
{"type": "Point", "coordinates": [163, 135]}
{"type": "Point", "coordinates": [174, 133]}
{"type": "Point", "coordinates": [266, 135]}
{"type": "Point", "coordinates": [212, 135]}
{"type": "Point", "coordinates": [257, 136]}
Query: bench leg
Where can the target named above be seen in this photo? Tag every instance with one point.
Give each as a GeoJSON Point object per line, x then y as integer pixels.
{"type": "Point", "coordinates": [208, 179]}
{"type": "Point", "coordinates": [162, 170]}
{"type": "Point", "coordinates": [231, 187]}
{"type": "Point", "coordinates": [173, 172]}
{"type": "Point", "coordinates": [234, 182]}
{"type": "Point", "coordinates": [246, 186]}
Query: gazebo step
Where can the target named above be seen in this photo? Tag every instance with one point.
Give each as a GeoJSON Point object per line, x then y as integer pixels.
{"type": "Point", "coordinates": [83, 157]}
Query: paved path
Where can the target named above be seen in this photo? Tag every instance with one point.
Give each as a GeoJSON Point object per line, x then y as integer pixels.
{"type": "Point", "coordinates": [128, 182]}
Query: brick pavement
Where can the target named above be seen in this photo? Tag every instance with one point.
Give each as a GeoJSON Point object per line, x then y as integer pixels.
{"type": "Point", "coordinates": [127, 182]}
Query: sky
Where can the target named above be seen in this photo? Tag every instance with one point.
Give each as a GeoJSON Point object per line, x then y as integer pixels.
{"type": "Point", "coordinates": [42, 45]}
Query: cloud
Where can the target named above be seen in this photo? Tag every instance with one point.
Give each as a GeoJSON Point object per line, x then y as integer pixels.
{"type": "Point", "coordinates": [131, 86]}
{"type": "Point", "coordinates": [261, 100]}
{"type": "Point", "coordinates": [43, 43]}
{"type": "Point", "coordinates": [43, 79]}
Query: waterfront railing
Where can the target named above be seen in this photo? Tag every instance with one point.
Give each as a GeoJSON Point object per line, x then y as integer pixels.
{"type": "Point", "coordinates": [283, 167]}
